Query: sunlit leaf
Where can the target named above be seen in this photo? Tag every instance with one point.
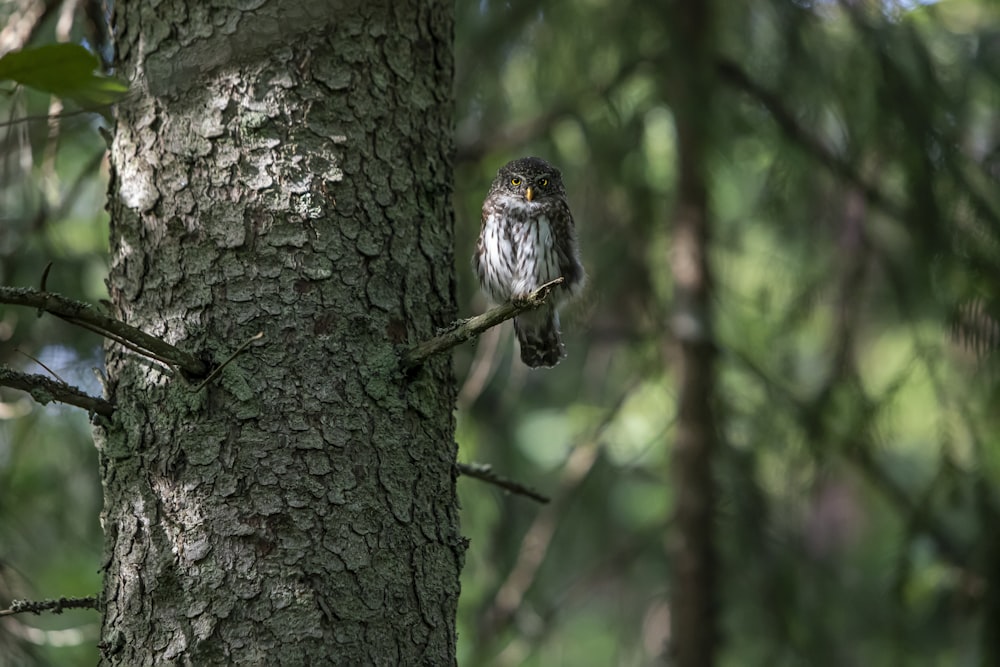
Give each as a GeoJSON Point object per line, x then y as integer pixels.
{"type": "Point", "coordinates": [67, 70]}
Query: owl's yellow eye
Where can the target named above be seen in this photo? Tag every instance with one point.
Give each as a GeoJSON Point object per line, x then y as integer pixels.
{"type": "Point", "coordinates": [544, 182]}
{"type": "Point", "coordinates": [515, 181]}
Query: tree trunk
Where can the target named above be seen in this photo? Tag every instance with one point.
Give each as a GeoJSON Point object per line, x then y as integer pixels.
{"type": "Point", "coordinates": [692, 544]}
{"type": "Point", "coordinates": [284, 170]}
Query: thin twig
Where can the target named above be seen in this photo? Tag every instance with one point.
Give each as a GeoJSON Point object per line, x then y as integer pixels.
{"type": "Point", "coordinates": [65, 114]}
{"type": "Point", "coordinates": [55, 606]}
{"type": "Point", "coordinates": [39, 362]}
{"type": "Point", "coordinates": [45, 390]}
{"type": "Point", "coordinates": [45, 276]}
{"type": "Point", "coordinates": [215, 373]}
{"type": "Point", "coordinates": [87, 316]}
{"type": "Point", "coordinates": [484, 472]}
{"type": "Point", "coordinates": [463, 330]}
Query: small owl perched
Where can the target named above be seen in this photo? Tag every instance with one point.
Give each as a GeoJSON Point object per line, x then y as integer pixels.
{"type": "Point", "coordinates": [527, 239]}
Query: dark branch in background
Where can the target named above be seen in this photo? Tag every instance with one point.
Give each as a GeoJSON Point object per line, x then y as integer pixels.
{"type": "Point", "coordinates": [916, 513]}
{"type": "Point", "coordinates": [858, 453]}
{"type": "Point", "coordinates": [484, 472]}
{"type": "Point", "coordinates": [55, 606]}
{"type": "Point", "coordinates": [88, 317]}
{"type": "Point", "coordinates": [463, 330]}
{"type": "Point", "coordinates": [953, 158]}
{"type": "Point", "coordinates": [536, 540]}
{"type": "Point", "coordinates": [45, 390]}
{"type": "Point", "coordinates": [735, 75]}
{"type": "Point", "coordinates": [62, 114]}
{"type": "Point", "coordinates": [569, 105]}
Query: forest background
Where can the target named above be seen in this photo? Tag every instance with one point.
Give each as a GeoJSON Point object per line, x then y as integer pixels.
{"type": "Point", "coordinates": [856, 294]}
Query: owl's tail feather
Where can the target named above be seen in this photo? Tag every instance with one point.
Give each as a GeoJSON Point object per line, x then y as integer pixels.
{"type": "Point", "coordinates": [538, 334]}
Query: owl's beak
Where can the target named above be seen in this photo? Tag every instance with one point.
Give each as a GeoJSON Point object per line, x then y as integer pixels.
{"type": "Point", "coordinates": [529, 194]}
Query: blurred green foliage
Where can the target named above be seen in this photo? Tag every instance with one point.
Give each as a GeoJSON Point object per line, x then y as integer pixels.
{"type": "Point", "coordinates": [855, 201]}
{"type": "Point", "coordinates": [52, 189]}
{"type": "Point", "coordinates": [853, 187]}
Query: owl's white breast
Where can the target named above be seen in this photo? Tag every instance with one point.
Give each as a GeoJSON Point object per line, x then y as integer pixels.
{"type": "Point", "coordinates": [498, 259]}
{"type": "Point", "coordinates": [518, 252]}
{"type": "Point", "coordinates": [536, 262]}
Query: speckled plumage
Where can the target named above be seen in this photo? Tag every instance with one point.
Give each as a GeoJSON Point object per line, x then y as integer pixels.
{"type": "Point", "coordinates": [528, 238]}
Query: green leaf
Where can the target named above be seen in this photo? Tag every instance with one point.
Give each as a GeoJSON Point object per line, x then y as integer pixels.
{"type": "Point", "coordinates": [66, 70]}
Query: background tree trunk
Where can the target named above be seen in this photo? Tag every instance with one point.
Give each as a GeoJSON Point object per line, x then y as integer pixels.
{"type": "Point", "coordinates": [285, 171]}
{"type": "Point", "coordinates": [692, 544]}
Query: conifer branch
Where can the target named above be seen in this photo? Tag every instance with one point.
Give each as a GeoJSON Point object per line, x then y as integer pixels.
{"type": "Point", "coordinates": [45, 390]}
{"type": "Point", "coordinates": [55, 606]}
{"type": "Point", "coordinates": [484, 472]}
{"type": "Point", "coordinates": [88, 317]}
{"type": "Point", "coordinates": [463, 330]}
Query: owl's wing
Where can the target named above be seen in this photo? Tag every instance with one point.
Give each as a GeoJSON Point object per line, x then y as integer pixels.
{"type": "Point", "coordinates": [568, 251]}
{"type": "Point", "coordinates": [479, 258]}
{"type": "Point", "coordinates": [493, 252]}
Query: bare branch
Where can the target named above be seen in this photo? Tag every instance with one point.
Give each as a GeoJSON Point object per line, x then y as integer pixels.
{"type": "Point", "coordinates": [39, 362]}
{"type": "Point", "coordinates": [48, 117]}
{"type": "Point", "coordinates": [484, 472]}
{"type": "Point", "coordinates": [463, 330]}
{"type": "Point", "coordinates": [55, 606]}
{"type": "Point", "coordinates": [86, 316]}
{"type": "Point", "coordinates": [45, 390]}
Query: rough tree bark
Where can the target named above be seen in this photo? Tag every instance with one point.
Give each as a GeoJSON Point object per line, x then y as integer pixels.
{"type": "Point", "coordinates": [692, 545]}
{"type": "Point", "coordinates": [283, 168]}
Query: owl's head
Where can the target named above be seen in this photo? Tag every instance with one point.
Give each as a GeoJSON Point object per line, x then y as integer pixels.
{"type": "Point", "coordinates": [532, 178]}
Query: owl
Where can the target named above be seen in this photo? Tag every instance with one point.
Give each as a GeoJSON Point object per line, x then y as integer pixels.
{"type": "Point", "coordinates": [528, 238]}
